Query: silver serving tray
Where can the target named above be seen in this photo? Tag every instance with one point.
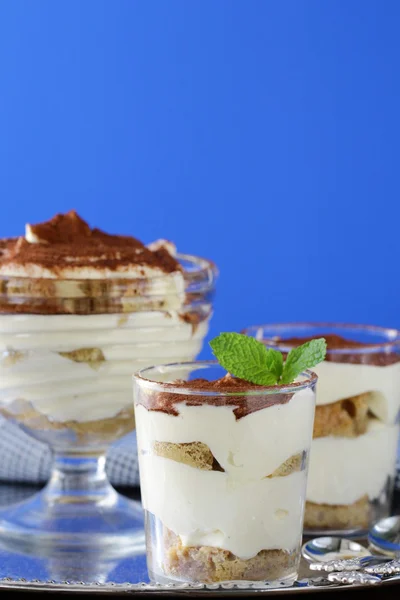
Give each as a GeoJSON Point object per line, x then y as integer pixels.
{"type": "Point", "coordinates": [67, 573]}
{"type": "Point", "coordinates": [129, 576]}
{"type": "Point", "coordinates": [194, 591]}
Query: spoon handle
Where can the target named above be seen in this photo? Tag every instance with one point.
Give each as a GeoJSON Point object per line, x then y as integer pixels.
{"type": "Point", "coordinates": [340, 564]}
{"type": "Point", "coordinates": [357, 577]}
{"type": "Point", "coordinates": [391, 567]}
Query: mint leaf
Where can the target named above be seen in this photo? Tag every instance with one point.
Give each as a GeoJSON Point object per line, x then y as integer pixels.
{"type": "Point", "coordinates": [303, 357]}
{"type": "Point", "coordinates": [276, 362]}
{"type": "Point", "coordinates": [247, 358]}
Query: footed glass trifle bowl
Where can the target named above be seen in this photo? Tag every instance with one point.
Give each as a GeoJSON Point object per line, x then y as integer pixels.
{"type": "Point", "coordinates": [353, 454]}
{"type": "Point", "coordinates": [68, 347]}
{"type": "Point", "coordinates": [223, 471]}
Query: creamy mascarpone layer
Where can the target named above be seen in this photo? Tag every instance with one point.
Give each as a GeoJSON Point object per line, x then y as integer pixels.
{"type": "Point", "coordinates": [239, 510]}
{"type": "Point", "coordinates": [337, 381]}
{"type": "Point", "coordinates": [32, 369]}
{"type": "Point", "coordinates": [257, 515]}
{"type": "Point", "coordinates": [343, 470]}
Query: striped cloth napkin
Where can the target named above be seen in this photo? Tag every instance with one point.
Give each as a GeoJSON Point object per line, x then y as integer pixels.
{"type": "Point", "coordinates": [24, 459]}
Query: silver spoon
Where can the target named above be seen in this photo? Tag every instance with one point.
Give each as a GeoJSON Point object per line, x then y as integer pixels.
{"type": "Point", "coordinates": [331, 554]}
{"type": "Point", "coordinates": [324, 549]}
{"type": "Point", "coordinates": [351, 577]}
{"type": "Point", "coordinates": [384, 536]}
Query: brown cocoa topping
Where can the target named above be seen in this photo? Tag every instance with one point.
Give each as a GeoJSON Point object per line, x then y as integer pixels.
{"type": "Point", "coordinates": [337, 342]}
{"type": "Point", "coordinates": [61, 229]}
{"type": "Point", "coordinates": [67, 241]}
{"type": "Point", "coordinates": [244, 405]}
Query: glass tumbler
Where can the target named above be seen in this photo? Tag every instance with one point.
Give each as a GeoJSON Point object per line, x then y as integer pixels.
{"type": "Point", "coordinates": [223, 475]}
{"type": "Point", "coordinates": [68, 349]}
{"type": "Point", "coordinates": [353, 456]}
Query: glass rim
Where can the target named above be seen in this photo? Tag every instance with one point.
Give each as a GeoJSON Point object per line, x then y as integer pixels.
{"type": "Point", "coordinates": [205, 267]}
{"type": "Point", "coordinates": [310, 377]}
{"type": "Point", "coordinates": [364, 348]}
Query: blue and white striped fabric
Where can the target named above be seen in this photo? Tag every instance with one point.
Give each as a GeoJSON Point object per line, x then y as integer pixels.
{"type": "Point", "coordinates": [24, 459]}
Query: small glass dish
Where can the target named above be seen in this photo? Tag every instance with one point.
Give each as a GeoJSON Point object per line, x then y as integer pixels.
{"type": "Point", "coordinates": [353, 455]}
{"type": "Point", "coordinates": [223, 475]}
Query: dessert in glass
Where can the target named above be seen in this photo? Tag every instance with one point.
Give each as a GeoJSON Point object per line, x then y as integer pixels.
{"type": "Point", "coordinates": [223, 470]}
{"type": "Point", "coordinates": [80, 311]}
{"type": "Point", "coordinates": [353, 457]}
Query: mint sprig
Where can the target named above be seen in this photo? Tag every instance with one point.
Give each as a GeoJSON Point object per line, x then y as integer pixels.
{"type": "Point", "coordinates": [247, 358]}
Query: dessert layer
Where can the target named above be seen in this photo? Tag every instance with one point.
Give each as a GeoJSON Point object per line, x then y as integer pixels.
{"type": "Point", "coordinates": [81, 297]}
{"type": "Point", "coordinates": [79, 367]}
{"type": "Point", "coordinates": [64, 267]}
{"type": "Point", "coordinates": [344, 470]}
{"type": "Point", "coordinates": [294, 463]}
{"type": "Point", "coordinates": [338, 381]}
{"type": "Point", "coordinates": [353, 368]}
{"type": "Point", "coordinates": [348, 374]}
{"type": "Point", "coordinates": [67, 248]}
{"type": "Point", "coordinates": [345, 418]}
{"type": "Point", "coordinates": [239, 509]}
{"type": "Point", "coordinates": [194, 454]}
{"type": "Point", "coordinates": [199, 456]}
{"type": "Point", "coordinates": [79, 433]}
{"type": "Point", "coordinates": [243, 447]}
{"type": "Point", "coordinates": [338, 516]}
{"type": "Point", "coordinates": [209, 564]}
{"type": "Point", "coordinates": [208, 509]}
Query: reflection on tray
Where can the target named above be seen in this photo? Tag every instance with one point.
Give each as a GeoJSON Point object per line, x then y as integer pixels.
{"type": "Point", "coordinates": [50, 565]}
{"type": "Point", "coordinates": [70, 566]}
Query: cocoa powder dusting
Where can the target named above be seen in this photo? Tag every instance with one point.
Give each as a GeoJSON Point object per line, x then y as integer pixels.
{"type": "Point", "coordinates": [68, 241]}
{"type": "Point", "coordinates": [337, 342]}
{"type": "Point", "coordinates": [62, 229]}
{"type": "Point", "coordinates": [244, 405]}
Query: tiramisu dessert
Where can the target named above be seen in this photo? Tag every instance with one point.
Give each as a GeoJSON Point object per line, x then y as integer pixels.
{"type": "Point", "coordinates": [80, 311]}
{"type": "Point", "coordinates": [223, 468]}
{"type": "Point", "coordinates": [353, 458]}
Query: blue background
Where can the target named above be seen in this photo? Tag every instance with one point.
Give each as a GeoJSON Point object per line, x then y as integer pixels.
{"type": "Point", "coordinates": [263, 134]}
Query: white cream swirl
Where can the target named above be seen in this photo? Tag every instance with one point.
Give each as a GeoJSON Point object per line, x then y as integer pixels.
{"type": "Point", "coordinates": [33, 369]}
